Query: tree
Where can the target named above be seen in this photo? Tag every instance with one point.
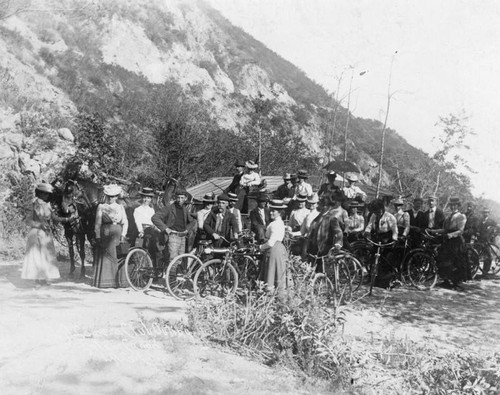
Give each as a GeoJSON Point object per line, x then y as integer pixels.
{"type": "Point", "coordinates": [451, 140]}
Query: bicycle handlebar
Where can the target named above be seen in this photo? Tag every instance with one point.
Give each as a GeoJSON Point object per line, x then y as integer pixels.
{"type": "Point", "coordinates": [381, 245]}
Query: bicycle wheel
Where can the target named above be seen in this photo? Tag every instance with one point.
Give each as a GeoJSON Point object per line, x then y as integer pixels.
{"type": "Point", "coordinates": [139, 269]}
{"type": "Point", "coordinates": [248, 271]}
{"type": "Point", "coordinates": [484, 253]}
{"type": "Point", "coordinates": [342, 285]}
{"type": "Point", "coordinates": [179, 276]}
{"type": "Point", "coordinates": [355, 268]}
{"type": "Point", "coordinates": [215, 278]}
{"type": "Point", "coordinates": [363, 252]}
{"type": "Point", "coordinates": [322, 287]}
{"type": "Point", "coordinates": [422, 270]}
{"type": "Point", "coordinates": [472, 262]}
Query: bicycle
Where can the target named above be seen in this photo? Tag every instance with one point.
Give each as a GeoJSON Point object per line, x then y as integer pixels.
{"type": "Point", "coordinates": [140, 272]}
{"type": "Point", "coordinates": [333, 281]}
{"type": "Point", "coordinates": [374, 266]}
{"type": "Point", "coordinates": [217, 277]}
{"type": "Point", "coordinates": [487, 250]}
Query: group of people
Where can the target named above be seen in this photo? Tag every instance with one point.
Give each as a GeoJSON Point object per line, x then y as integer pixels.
{"type": "Point", "coordinates": [330, 218]}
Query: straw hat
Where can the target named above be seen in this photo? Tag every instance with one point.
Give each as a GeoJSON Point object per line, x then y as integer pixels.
{"type": "Point", "coordinates": [45, 187]}
{"type": "Point", "coordinates": [112, 190]}
{"type": "Point", "coordinates": [232, 197]}
{"type": "Point", "coordinates": [277, 204]}
{"type": "Point", "coordinates": [313, 198]}
{"type": "Point", "coordinates": [147, 192]}
{"type": "Point", "coordinates": [251, 164]}
{"type": "Point", "coordinates": [352, 177]}
{"type": "Point", "coordinates": [209, 198]}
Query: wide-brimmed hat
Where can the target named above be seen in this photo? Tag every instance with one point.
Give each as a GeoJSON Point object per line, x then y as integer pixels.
{"type": "Point", "coordinates": [45, 187]}
{"type": "Point", "coordinates": [313, 198]}
{"type": "Point", "coordinates": [351, 177]}
{"type": "Point", "coordinates": [147, 192]}
{"type": "Point", "coordinates": [454, 200]}
{"type": "Point", "coordinates": [239, 163]}
{"type": "Point", "coordinates": [209, 198]}
{"type": "Point", "coordinates": [398, 202]}
{"type": "Point", "coordinates": [232, 197]}
{"type": "Point", "coordinates": [277, 204]}
{"type": "Point", "coordinates": [287, 176]}
{"type": "Point", "coordinates": [251, 164]}
{"type": "Point", "coordinates": [302, 174]}
{"type": "Point", "coordinates": [262, 197]}
{"type": "Point", "coordinates": [301, 198]}
{"type": "Point", "coordinates": [223, 198]}
{"type": "Point", "coordinates": [112, 190]}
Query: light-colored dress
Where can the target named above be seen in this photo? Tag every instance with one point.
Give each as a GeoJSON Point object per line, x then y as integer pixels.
{"type": "Point", "coordinates": [111, 224]}
{"type": "Point", "coordinates": [275, 267]}
{"type": "Point", "coordinates": [40, 262]}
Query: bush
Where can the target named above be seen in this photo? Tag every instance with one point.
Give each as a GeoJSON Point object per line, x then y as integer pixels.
{"type": "Point", "coordinates": [297, 331]}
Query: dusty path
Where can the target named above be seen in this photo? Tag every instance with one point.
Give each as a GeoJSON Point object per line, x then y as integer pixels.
{"type": "Point", "coordinates": [465, 320]}
{"type": "Point", "coordinates": [72, 338]}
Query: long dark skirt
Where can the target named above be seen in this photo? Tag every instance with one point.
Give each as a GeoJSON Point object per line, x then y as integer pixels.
{"type": "Point", "coordinates": [275, 268]}
{"type": "Point", "coordinates": [451, 265]}
{"type": "Point", "coordinates": [109, 271]}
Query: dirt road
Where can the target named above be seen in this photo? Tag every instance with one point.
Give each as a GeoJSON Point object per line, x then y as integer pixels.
{"type": "Point", "coordinates": [72, 338]}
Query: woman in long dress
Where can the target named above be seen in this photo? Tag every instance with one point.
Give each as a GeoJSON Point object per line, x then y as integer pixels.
{"type": "Point", "coordinates": [111, 226]}
{"type": "Point", "coordinates": [275, 266]}
{"type": "Point", "coordinates": [40, 260]}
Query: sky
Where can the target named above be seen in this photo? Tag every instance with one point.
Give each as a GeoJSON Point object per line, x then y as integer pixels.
{"type": "Point", "coordinates": [447, 62]}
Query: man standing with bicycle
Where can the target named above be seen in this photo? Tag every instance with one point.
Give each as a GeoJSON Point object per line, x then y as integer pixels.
{"type": "Point", "coordinates": [173, 220]}
{"type": "Point", "coordinates": [221, 225]}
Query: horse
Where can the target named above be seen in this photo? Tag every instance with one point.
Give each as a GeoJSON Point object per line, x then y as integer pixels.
{"type": "Point", "coordinates": [81, 197]}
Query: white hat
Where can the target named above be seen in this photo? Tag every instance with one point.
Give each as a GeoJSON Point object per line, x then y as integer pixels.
{"type": "Point", "coordinates": [112, 190]}
{"type": "Point", "coordinates": [314, 198]}
{"type": "Point", "coordinates": [277, 204]}
{"type": "Point", "coordinates": [44, 187]}
{"type": "Point", "coordinates": [251, 164]}
{"type": "Point", "coordinates": [351, 177]}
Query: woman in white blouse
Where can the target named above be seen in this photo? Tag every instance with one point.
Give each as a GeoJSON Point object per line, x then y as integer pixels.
{"type": "Point", "coordinates": [275, 266]}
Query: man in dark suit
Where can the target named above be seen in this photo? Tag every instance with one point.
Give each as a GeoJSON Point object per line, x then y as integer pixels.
{"type": "Point", "coordinates": [434, 216]}
{"type": "Point", "coordinates": [221, 223]}
{"type": "Point", "coordinates": [259, 218]}
{"type": "Point", "coordinates": [417, 221]}
{"type": "Point", "coordinates": [234, 187]}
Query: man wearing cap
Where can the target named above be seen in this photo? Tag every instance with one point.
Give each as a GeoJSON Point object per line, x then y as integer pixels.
{"type": "Point", "coordinates": [485, 232]}
{"type": "Point", "coordinates": [302, 187]}
{"type": "Point", "coordinates": [221, 225]}
{"type": "Point", "coordinates": [233, 199]}
{"type": "Point", "coordinates": [351, 190]}
{"type": "Point", "coordinates": [434, 216]}
{"type": "Point", "coordinates": [259, 217]}
{"type": "Point", "coordinates": [449, 267]}
{"type": "Point", "coordinates": [234, 187]}
{"type": "Point", "coordinates": [174, 220]}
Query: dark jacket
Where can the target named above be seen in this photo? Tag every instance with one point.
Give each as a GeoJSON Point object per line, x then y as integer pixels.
{"type": "Point", "coordinates": [438, 219]}
{"type": "Point", "coordinates": [284, 192]}
{"type": "Point", "coordinates": [234, 187]}
{"type": "Point", "coordinates": [165, 218]}
{"type": "Point", "coordinates": [256, 224]}
{"type": "Point", "coordinates": [228, 228]}
{"type": "Point", "coordinates": [418, 221]}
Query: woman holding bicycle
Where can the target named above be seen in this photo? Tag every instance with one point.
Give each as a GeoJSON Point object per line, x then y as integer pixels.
{"type": "Point", "coordinates": [450, 266]}
{"type": "Point", "coordinates": [275, 266]}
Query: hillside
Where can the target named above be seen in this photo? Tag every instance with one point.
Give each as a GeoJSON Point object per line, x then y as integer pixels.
{"type": "Point", "coordinates": [145, 89]}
